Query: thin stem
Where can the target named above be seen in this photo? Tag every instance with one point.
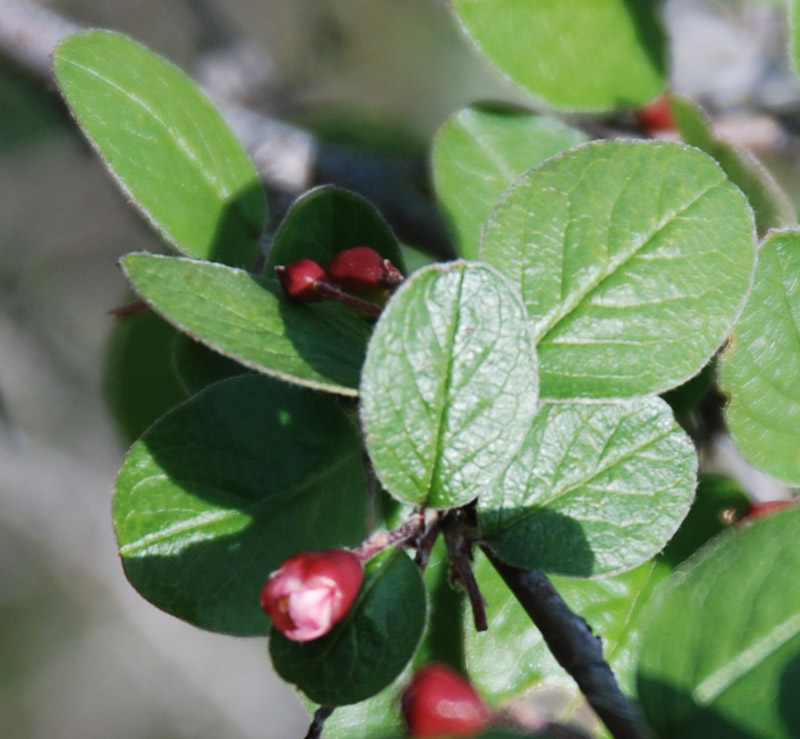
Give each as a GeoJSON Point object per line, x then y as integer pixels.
{"type": "Point", "coordinates": [318, 722]}
{"type": "Point", "coordinates": [408, 532]}
{"type": "Point", "coordinates": [576, 649]}
{"type": "Point", "coordinates": [459, 547]}
{"type": "Point", "coordinates": [351, 301]}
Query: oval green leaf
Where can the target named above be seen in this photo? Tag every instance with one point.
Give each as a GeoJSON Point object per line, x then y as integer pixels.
{"type": "Point", "coordinates": [165, 144]}
{"type": "Point", "coordinates": [481, 151]}
{"type": "Point", "coordinates": [198, 366]}
{"type": "Point", "coordinates": [634, 261]}
{"type": "Point", "coordinates": [370, 647]}
{"type": "Point", "coordinates": [223, 489]}
{"type": "Point", "coordinates": [584, 55]}
{"type": "Point", "coordinates": [596, 488]}
{"type": "Point", "coordinates": [247, 319]}
{"type": "Point", "coordinates": [760, 371]}
{"type": "Point", "coordinates": [449, 386]}
{"type": "Point", "coordinates": [721, 652]}
{"type": "Point", "coordinates": [327, 220]}
{"type": "Point", "coordinates": [771, 206]}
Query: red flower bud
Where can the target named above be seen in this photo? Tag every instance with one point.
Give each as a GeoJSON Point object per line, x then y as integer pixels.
{"type": "Point", "coordinates": [439, 702]}
{"type": "Point", "coordinates": [656, 117]}
{"type": "Point", "coordinates": [300, 279]}
{"type": "Point", "coordinates": [767, 508]}
{"type": "Point", "coordinates": [311, 592]}
{"type": "Point", "coordinates": [362, 271]}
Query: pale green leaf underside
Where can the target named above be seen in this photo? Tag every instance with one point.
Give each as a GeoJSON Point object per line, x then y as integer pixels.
{"type": "Point", "coordinates": [166, 145]}
{"type": "Point", "coordinates": [224, 488]}
{"type": "Point", "coordinates": [771, 206]}
{"type": "Point", "coordinates": [449, 386]}
{"type": "Point", "coordinates": [597, 488]}
{"type": "Point", "coordinates": [760, 371]}
{"type": "Point", "coordinates": [588, 55]}
{"type": "Point", "coordinates": [634, 260]}
{"type": "Point", "coordinates": [723, 643]}
{"type": "Point", "coordinates": [248, 319]}
{"type": "Point", "coordinates": [479, 152]}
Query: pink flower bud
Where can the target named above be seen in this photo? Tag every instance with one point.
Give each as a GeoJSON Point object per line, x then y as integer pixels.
{"type": "Point", "coordinates": [300, 280]}
{"type": "Point", "coordinates": [311, 592]}
{"type": "Point", "coordinates": [439, 702]}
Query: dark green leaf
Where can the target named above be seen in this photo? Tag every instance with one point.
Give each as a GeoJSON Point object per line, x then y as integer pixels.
{"type": "Point", "coordinates": [761, 368]}
{"type": "Point", "coordinates": [327, 220]}
{"type": "Point", "coordinates": [721, 654]}
{"type": "Point", "coordinates": [614, 245]}
{"type": "Point", "coordinates": [198, 366]}
{"type": "Point", "coordinates": [596, 488]}
{"type": "Point", "coordinates": [588, 55]}
{"type": "Point", "coordinates": [482, 150]}
{"type": "Point", "coordinates": [247, 319]}
{"type": "Point", "coordinates": [449, 386]}
{"type": "Point", "coordinates": [165, 144]}
{"type": "Point", "coordinates": [370, 647]}
{"type": "Point", "coordinates": [226, 487]}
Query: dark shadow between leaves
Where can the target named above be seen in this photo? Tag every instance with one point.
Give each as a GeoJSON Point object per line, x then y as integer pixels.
{"type": "Point", "coordinates": [239, 228]}
{"type": "Point", "coordinates": [788, 704]}
{"type": "Point", "coordinates": [539, 539]}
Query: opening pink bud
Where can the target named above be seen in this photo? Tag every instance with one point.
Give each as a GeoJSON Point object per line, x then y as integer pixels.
{"type": "Point", "coordinates": [362, 271]}
{"type": "Point", "coordinates": [300, 280]}
{"type": "Point", "coordinates": [311, 592]}
{"type": "Point", "coordinates": [439, 702]}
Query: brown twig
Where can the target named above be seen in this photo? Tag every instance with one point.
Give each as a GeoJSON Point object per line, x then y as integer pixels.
{"type": "Point", "coordinates": [318, 722]}
{"type": "Point", "coordinates": [576, 648]}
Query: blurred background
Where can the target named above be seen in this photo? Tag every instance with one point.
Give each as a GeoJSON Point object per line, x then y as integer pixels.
{"type": "Point", "coordinates": [81, 654]}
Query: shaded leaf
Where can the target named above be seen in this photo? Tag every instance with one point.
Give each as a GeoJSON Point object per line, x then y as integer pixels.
{"type": "Point", "coordinates": [371, 646]}
{"type": "Point", "coordinates": [198, 366]}
{"type": "Point", "coordinates": [482, 150]}
{"type": "Point", "coordinates": [760, 370]}
{"type": "Point", "coordinates": [588, 55]}
{"type": "Point", "coordinates": [227, 486]}
{"type": "Point", "coordinates": [165, 144]}
{"type": "Point", "coordinates": [247, 319]}
{"type": "Point", "coordinates": [449, 386]}
{"type": "Point", "coordinates": [612, 245]}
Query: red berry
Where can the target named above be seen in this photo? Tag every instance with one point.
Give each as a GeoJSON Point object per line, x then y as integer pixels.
{"type": "Point", "coordinates": [767, 509]}
{"type": "Point", "coordinates": [656, 117]}
{"type": "Point", "coordinates": [311, 592]}
{"type": "Point", "coordinates": [439, 702]}
{"type": "Point", "coordinates": [299, 280]}
{"type": "Point", "coordinates": [362, 271]}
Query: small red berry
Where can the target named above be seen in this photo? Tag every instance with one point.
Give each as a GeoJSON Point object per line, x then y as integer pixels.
{"type": "Point", "coordinates": [656, 117]}
{"type": "Point", "coordinates": [361, 271]}
{"type": "Point", "coordinates": [439, 702]}
{"type": "Point", "coordinates": [300, 279]}
{"type": "Point", "coordinates": [767, 509]}
{"type": "Point", "coordinates": [311, 592]}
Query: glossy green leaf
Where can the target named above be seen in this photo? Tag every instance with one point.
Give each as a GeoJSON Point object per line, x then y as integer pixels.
{"type": "Point", "coordinates": [373, 644]}
{"type": "Point", "coordinates": [511, 657]}
{"type": "Point", "coordinates": [771, 206]}
{"type": "Point", "coordinates": [634, 261]}
{"type": "Point", "coordinates": [247, 319]}
{"type": "Point", "coordinates": [597, 488]}
{"type": "Point", "coordinates": [226, 487]}
{"type": "Point", "coordinates": [165, 144]}
{"type": "Point", "coordinates": [588, 55]}
{"type": "Point", "coordinates": [327, 220]}
{"type": "Point", "coordinates": [198, 366]}
{"type": "Point", "coordinates": [722, 647]}
{"type": "Point", "coordinates": [760, 371]}
{"type": "Point", "coordinates": [449, 386]}
{"type": "Point", "coordinates": [482, 150]}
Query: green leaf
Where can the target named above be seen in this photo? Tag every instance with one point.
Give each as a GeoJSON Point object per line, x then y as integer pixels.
{"type": "Point", "coordinates": [771, 206]}
{"type": "Point", "coordinates": [597, 488]}
{"type": "Point", "coordinates": [634, 261]}
{"type": "Point", "coordinates": [370, 647]}
{"type": "Point", "coordinates": [511, 657]}
{"type": "Point", "coordinates": [247, 319]}
{"type": "Point", "coordinates": [449, 386]}
{"type": "Point", "coordinates": [760, 371]}
{"type": "Point", "coordinates": [588, 55]}
{"type": "Point", "coordinates": [198, 366]}
{"type": "Point", "coordinates": [165, 144]}
{"type": "Point", "coordinates": [226, 487]}
{"type": "Point", "coordinates": [482, 150]}
{"type": "Point", "coordinates": [327, 220]}
{"type": "Point", "coordinates": [722, 647]}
